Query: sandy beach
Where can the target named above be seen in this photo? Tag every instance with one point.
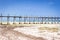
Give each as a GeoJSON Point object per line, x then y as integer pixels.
{"type": "Point", "coordinates": [30, 32]}
{"type": "Point", "coordinates": [10, 34]}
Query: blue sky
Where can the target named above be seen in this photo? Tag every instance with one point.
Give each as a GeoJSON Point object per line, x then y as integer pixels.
{"type": "Point", "coordinates": [30, 7]}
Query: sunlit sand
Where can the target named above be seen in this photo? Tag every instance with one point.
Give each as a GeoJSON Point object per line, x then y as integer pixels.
{"type": "Point", "coordinates": [29, 31]}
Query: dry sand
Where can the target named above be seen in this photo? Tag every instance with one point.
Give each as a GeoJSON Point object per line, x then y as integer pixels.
{"type": "Point", "coordinates": [6, 33]}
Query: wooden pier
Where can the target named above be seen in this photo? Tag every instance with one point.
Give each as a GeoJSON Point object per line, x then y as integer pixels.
{"type": "Point", "coordinates": [29, 20]}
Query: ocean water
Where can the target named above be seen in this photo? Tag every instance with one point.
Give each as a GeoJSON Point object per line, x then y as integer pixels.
{"type": "Point", "coordinates": [29, 20]}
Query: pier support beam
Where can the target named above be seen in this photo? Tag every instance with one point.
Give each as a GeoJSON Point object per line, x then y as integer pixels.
{"type": "Point", "coordinates": [14, 18]}
{"type": "Point", "coordinates": [55, 20]}
{"type": "Point", "coordinates": [25, 20]}
{"type": "Point", "coordinates": [19, 20]}
{"type": "Point", "coordinates": [34, 20]}
{"type": "Point", "coordinates": [7, 20]}
{"type": "Point", "coordinates": [1, 19]}
{"type": "Point", "coordinates": [58, 21]}
{"type": "Point", "coordinates": [45, 21]}
{"type": "Point", "coordinates": [41, 20]}
{"type": "Point", "coordinates": [38, 20]}
{"type": "Point", "coordinates": [52, 20]}
{"type": "Point", "coordinates": [29, 20]}
{"type": "Point", "coordinates": [48, 20]}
